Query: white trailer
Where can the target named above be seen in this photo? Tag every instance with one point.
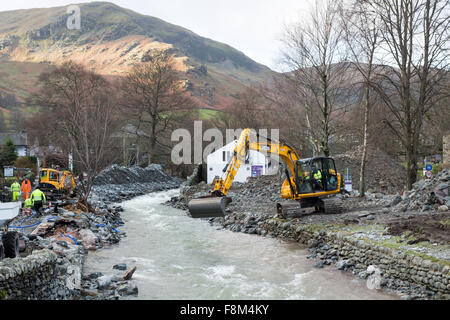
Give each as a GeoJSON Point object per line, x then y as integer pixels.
{"type": "Point", "coordinates": [9, 240]}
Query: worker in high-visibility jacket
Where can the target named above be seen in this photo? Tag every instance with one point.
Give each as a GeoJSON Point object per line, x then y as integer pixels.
{"type": "Point", "coordinates": [15, 189]}
{"type": "Point", "coordinates": [317, 178]}
{"type": "Point", "coordinates": [27, 205]}
{"type": "Point", "coordinates": [38, 198]}
{"type": "Point", "coordinates": [26, 188]}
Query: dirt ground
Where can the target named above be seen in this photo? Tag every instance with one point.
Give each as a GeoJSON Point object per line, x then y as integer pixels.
{"type": "Point", "coordinates": [433, 228]}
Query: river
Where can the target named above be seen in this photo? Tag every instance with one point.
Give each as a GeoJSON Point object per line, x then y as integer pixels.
{"type": "Point", "coordinates": [178, 258]}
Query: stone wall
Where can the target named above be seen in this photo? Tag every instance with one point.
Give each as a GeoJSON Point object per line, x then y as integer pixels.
{"type": "Point", "coordinates": [400, 271]}
{"type": "Point", "coordinates": [43, 275]}
{"type": "Point", "coordinates": [446, 150]}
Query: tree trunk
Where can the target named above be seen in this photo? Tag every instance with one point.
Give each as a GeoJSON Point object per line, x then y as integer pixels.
{"type": "Point", "coordinates": [362, 175]}
{"type": "Point", "coordinates": [151, 156]}
{"type": "Point", "coordinates": [411, 166]}
{"type": "Point", "coordinates": [310, 133]}
{"type": "Point", "coordinates": [325, 117]}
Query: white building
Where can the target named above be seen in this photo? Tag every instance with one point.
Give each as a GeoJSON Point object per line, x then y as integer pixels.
{"type": "Point", "coordinates": [254, 166]}
{"type": "Point", "coordinates": [20, 140]}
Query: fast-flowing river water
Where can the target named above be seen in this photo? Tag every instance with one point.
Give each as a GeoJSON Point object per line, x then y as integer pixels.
{"type": "Point", "coordinates": [178, 257]}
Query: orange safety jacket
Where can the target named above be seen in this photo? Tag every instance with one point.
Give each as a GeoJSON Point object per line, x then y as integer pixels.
{"type": "Point", "coordinates": [26, 186]}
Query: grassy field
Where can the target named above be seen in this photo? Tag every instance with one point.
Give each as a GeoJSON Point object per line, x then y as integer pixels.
{"type": "Point", "coordinates": [206, 114]}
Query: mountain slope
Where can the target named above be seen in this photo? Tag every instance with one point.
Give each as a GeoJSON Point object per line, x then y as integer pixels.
{"type": "Point", "coordinates": [112, 39]}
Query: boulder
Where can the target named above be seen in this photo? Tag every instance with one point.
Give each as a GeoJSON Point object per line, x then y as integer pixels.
{"type": "Point", "coordinates": [104, 282]}
{"type": "Point", "coordinates": [120, 266]}
{"type": "Point", "coordinates": [89, 239]}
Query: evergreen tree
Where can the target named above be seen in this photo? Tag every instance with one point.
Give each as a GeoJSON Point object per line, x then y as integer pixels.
{"type": "Point", "coordinates": [8, 153]}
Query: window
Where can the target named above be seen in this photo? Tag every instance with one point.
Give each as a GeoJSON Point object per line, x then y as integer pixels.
{"type": "Point", "coordinates": [223, 156]}
{"type": "Point", "coordinates": [328, 166]}
{"type": "Point", "coordinates": [53, 176]}
{"type": "Point", "coordinates": [304, 168]}
{"type": "Point", "coordinates": [318, 164]}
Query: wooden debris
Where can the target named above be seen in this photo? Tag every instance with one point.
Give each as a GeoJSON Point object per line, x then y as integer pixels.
{"type": "Point", "coordinates": [129, 274]}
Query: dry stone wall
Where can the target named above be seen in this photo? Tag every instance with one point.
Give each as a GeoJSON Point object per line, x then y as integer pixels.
{"type": "Point", "coordinates": [43, 275]}
{"type": "Point", "coordinates": [399, 270]}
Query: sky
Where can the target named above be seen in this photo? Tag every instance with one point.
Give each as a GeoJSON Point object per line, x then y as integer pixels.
{"type": "Point", "coordinates": [254, 27]}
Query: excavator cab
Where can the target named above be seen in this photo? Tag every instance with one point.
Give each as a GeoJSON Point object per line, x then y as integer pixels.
{"type": "Point", "coordinates": [316, 175]}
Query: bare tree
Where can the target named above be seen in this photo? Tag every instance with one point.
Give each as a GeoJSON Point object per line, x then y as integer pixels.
{"type": "Point", "coordinates": [82, 113]}
{"type": "Point", "coordinates": [248, 110]}
{"type": "Point", "coordinates": [362, 36]}
{"type": "Point", "coordinates": [153, 94]}
{"type": "Point", "coordinates": [316, 56]}
{"type": "Point", "coordinates": [415, 36]}
{"type": "Point", "coordinates": [285, 112]}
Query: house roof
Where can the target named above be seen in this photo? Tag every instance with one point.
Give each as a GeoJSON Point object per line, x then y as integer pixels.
{"type": "Point", "coordinates": [19, 139]}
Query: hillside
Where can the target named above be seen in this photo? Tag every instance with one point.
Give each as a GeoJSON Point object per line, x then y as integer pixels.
{"type": "Point", "coordinates": [110, 41]}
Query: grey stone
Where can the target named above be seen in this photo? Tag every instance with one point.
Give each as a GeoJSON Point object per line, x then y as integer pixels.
{"type": "Point", "coordinates": [120, 266]}
{"type": "Point", "coordinates": [343, 264]}
{"type": "Point", "coordinates": [104, 282]}
{"type": "Point", "coordinates": [312, 243]}
{"type": "Point", "coordinates": [319, 264]}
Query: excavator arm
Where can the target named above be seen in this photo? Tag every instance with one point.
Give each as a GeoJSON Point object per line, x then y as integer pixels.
{"type": "Point", "coordinates": [285, 152]}
{"type": "Point", "coordinates": [214, 204]}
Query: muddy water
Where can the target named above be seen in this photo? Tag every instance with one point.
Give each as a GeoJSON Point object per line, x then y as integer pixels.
{"type": "Point", "coordinates": [178, 257]}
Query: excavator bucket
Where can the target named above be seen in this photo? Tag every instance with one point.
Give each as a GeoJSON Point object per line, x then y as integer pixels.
{"type": "Point", "coordinates": [208, 207]}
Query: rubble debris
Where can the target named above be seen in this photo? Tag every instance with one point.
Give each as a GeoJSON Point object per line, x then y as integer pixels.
{"type": "Point", "coordinates": [129, 274]}
{"type": "Point", "coordinates": [69, 231]}
{"type": "Point", "coordinates": [117, 183]}
{"type": "Point", "coordinates": [428, 194]}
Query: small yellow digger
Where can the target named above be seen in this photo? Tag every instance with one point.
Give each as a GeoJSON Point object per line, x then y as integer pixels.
{"type": "Point", "coordinates": [301, 183]}
{"type": "Point", "coordinates": [55, 184]}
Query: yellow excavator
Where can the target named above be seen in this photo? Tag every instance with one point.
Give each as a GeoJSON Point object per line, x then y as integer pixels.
{"type": "Point", "coordinates": [56, 183]}
{"type": "Point", "coordinates": [308, 181]}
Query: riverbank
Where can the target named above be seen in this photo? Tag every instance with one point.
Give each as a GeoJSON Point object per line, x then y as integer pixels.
{"type": "Point", "coordinates": [373, 239]}
{"type": "Point", "coordinates": [57, 243]}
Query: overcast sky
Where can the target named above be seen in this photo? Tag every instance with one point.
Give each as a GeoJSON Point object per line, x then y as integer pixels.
{"type": "Point", "coordinates": [251, 26]}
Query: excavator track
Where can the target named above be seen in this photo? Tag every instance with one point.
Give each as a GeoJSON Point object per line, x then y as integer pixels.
{"type": "Point", "coordinates": [332, 206]}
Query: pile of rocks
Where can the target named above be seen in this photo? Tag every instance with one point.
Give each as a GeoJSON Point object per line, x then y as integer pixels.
{"type": "Point", "coordinates": [116, 174]}
{"type": "Point", "coordinates": [97, 286]}
{"type": "Point", "coordinates": [55, 252]}
{"type": "Point", "coordinates": [116, 183]}
{"type": "Point", "coordinates": [428, 194]}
